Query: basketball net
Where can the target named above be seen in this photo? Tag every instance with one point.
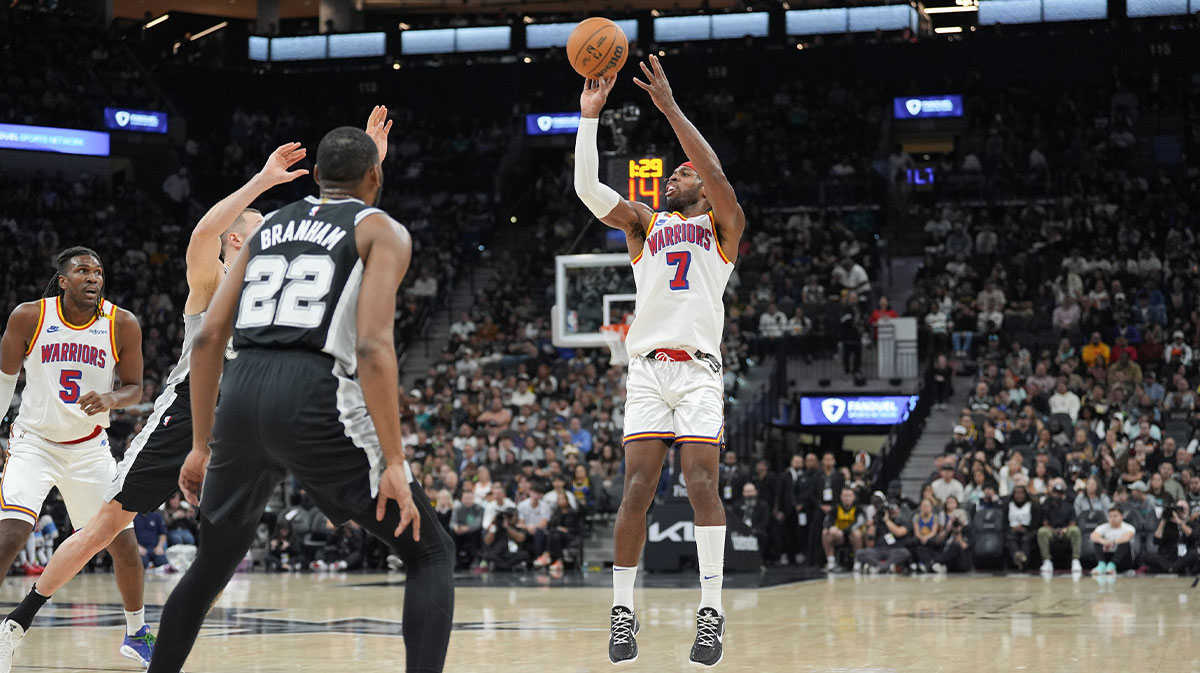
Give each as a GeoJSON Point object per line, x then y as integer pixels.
{"type": "Point", "coordinates": [614, 337]}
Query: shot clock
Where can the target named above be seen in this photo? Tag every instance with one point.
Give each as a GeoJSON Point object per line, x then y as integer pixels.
{"type": "Point", "coordinates": [639, 178]}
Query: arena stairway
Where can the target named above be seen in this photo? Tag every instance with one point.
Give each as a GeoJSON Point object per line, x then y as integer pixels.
{"type": "Point", "coordinates": [426, 350]}
{"type": "Point", "coordinates": [939, 428]}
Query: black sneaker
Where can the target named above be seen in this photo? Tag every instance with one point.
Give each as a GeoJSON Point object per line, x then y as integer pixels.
{"type": "Point", "coordinates": [623, 626]}
{"type": "Point", "coordinates": [710, 630]}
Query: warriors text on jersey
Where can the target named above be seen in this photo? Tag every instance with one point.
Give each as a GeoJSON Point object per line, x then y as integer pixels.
{"type": "Point", "coordinates": [680, 275]}
{"type": "Point", "coordinates": [300, 290]}
{"type": "Point", "coordinates": [65, 362]}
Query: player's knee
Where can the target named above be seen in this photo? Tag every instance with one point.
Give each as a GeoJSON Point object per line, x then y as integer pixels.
{"type": "Point", "coordinates": [12, 535]}
{"type": "Point", "coordinates": [639, 487]}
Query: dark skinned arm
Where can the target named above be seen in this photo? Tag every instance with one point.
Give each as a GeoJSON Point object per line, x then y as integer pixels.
{"type": "Point", "coordinates": [730, 219]}
{"type": "Point", "coordinates": [17, 337]}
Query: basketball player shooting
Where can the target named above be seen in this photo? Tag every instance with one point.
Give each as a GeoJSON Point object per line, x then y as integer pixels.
{"type": "Point", "coordinates": [681, 262]}
{"type": "Point", "coordinates": [72, 343]}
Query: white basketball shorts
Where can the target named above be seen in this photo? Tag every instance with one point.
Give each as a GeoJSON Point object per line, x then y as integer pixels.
{"type": "Point", "coordinates": [82, 473]}
{"type": "Point", "coordinates": [674, 402]}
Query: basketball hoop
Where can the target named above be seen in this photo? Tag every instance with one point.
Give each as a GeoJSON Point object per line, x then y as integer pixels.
{"type": "Point", "coordinates": [614, 338]}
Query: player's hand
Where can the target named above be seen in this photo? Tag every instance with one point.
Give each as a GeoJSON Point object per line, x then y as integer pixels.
{"type": "Point", "coordinates": [378, 126]}
{"type": "Point", "coordinates": [393, 485]}
{"type": "Point", "coordinates": [595, 93]}
{"type": "Point", "coordinates": [276, 172]}
{"type": "Point", "coordinates": [656, 83]}
{"type": "Point", "coordinates": [191, 475]}
{"type": "Point", "coordinates": [93, 403]}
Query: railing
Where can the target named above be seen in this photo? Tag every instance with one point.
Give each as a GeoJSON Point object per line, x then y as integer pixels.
{"type": "Point", "coordinates": [903, 437]}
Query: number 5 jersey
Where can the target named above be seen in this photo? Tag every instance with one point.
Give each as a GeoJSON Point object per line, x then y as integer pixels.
{"type": "Point", "coordinates": [65, 362]}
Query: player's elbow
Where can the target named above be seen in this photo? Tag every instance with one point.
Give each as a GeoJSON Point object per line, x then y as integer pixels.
{"type": "Point", "coordinates": [374, 348]}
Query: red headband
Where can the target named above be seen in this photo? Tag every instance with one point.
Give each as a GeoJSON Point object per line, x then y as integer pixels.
{"type": "Point", "coordinates": [688, 164]}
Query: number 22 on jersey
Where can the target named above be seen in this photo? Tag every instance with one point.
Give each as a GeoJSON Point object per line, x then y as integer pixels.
{"type": "Point", "coordinates": [299, 304]}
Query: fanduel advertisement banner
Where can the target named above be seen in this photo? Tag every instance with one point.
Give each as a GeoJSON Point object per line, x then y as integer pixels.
{"type": "Point", "coordinates": [49, 139]}
{"type": "Point", "coordinates": [865, 410]}
{"type": "Point", "coordinates": [927, 107]}
{"type": "Point", "coordinates": [144, 121]}
{"type": "Point", "coordinates": [553, 123]}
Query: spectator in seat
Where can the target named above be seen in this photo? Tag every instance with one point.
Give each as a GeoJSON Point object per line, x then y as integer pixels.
{"type": "Point", "coordinates": [1177, 352]}
{"type": "Point", "coordinates": [926, 526]}
{"type": "Point", "coordinates": [564, 528]}
{"type": "Point", "coordinates": [890, 535]}
{"type": "Point", "coordinates": [772, 325]}
{"type": "Point", "coordinates": [959, 443]}
{"type": "Point", "coordinates": [1058, 523]}
{"type": "Point", "coordinates": [1112, 540]}
{"type": "Point", "coordinates": [181, 521]}
{"type": "Point", "coordinates": [1176, 539]}
{"type": "Point", "coordinates": [948, 485]}
{"type": "Point", "coordinates": [1138, 510]}
{"type": "Point", "coordinates": [1007, 477]}
{"type": "Point", "coordinates": [884, 312]}
{"type": "Point", "coordinates": [279, 549]}
{"type": "Point", "coordinates": [1023, 513]}
{"type": "Point", "coordinates": [466, 526]}
{"type": "Point", "coordinates": [503, 540]}
{"type": "Point", "coordinates": [1092, 498]}
{"type": "Point", "coordinates": [151, 532]}
{"type": "Point", "coordinates": [755, 514]}
{"type": "Point", "coordinates": [852, 277]}
{"type": "Point", "coordinates": [533, 514]}
{"type": "Point", "coordinates": [954, 539]}
{"type": "Point", "coordinates": [844, 524]}
{"type": "Point", "coordinates": [1096, 348]}
{"type": "Point", "coordinates": [1064, 401]}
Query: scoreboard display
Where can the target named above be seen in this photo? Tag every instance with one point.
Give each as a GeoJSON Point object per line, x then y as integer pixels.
{"type": "Point", "coordinates": [640, 178]}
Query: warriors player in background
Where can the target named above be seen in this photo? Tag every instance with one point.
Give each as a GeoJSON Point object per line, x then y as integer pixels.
{"type": "Point", "coordinates": [149, 472]}
{"type": "Point", "coordinates": [674, 395]}
{"type": "Point", "coordinates": [72, 344]}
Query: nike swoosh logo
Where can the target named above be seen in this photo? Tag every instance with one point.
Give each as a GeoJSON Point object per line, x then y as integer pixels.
{"type": "Point", "coordinates": [709, 577]}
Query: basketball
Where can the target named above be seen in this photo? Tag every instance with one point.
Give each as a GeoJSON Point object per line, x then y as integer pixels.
{"type": "Point", "coordinates": [597, 48]}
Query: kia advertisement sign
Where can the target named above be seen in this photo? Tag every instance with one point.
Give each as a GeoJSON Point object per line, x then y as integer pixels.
{"type": "Point", "coordinates": [551, 123]}
{"type": "Point", "coordinates": [860, 410]}
{"type": "Point", "coordinates": [142, 121]}
{"type": "Point", "coordinates": [927, 107]}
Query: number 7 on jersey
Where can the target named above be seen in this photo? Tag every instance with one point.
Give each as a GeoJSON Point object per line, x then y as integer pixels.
{"type": "Point", "coordinates": [682, 261]}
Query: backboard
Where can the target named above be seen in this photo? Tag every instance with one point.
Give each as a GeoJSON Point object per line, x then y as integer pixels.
{"type": "Point", "coordinates": [590, 291]}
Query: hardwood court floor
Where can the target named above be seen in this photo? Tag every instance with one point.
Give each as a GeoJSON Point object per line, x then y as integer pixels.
{"type": "Point", "coordinates": [311, 623]}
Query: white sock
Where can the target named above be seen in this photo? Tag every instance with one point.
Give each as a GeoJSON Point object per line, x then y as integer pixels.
{"type": "Point", "coordinates": [710, 551]}
{"type": "Point", "coordinates": [830, 560]}
{"type": "Point", "coordinates": [623, 579]}
{"type": "Point", "coordinates": [134, 621]}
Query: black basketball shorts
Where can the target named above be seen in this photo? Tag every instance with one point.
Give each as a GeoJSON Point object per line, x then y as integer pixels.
{"type": "Point", "coordinates": [290, 411]}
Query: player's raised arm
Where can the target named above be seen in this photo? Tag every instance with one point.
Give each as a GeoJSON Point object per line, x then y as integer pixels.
{"type": "Point", "coordinates": [726, 211]}
{"type": "Point", "coordinates": [204, 247]}
{"type": "Point", "coordinates": [129, 369]}
{"type": "Point", "coordinates": [605, 204]}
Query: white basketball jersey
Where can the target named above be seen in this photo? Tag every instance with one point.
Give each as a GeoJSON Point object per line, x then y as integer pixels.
{"type": "Point", "coordinates": [680, 275]}
{"type": "Point", "coordinates": [65, 362]}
